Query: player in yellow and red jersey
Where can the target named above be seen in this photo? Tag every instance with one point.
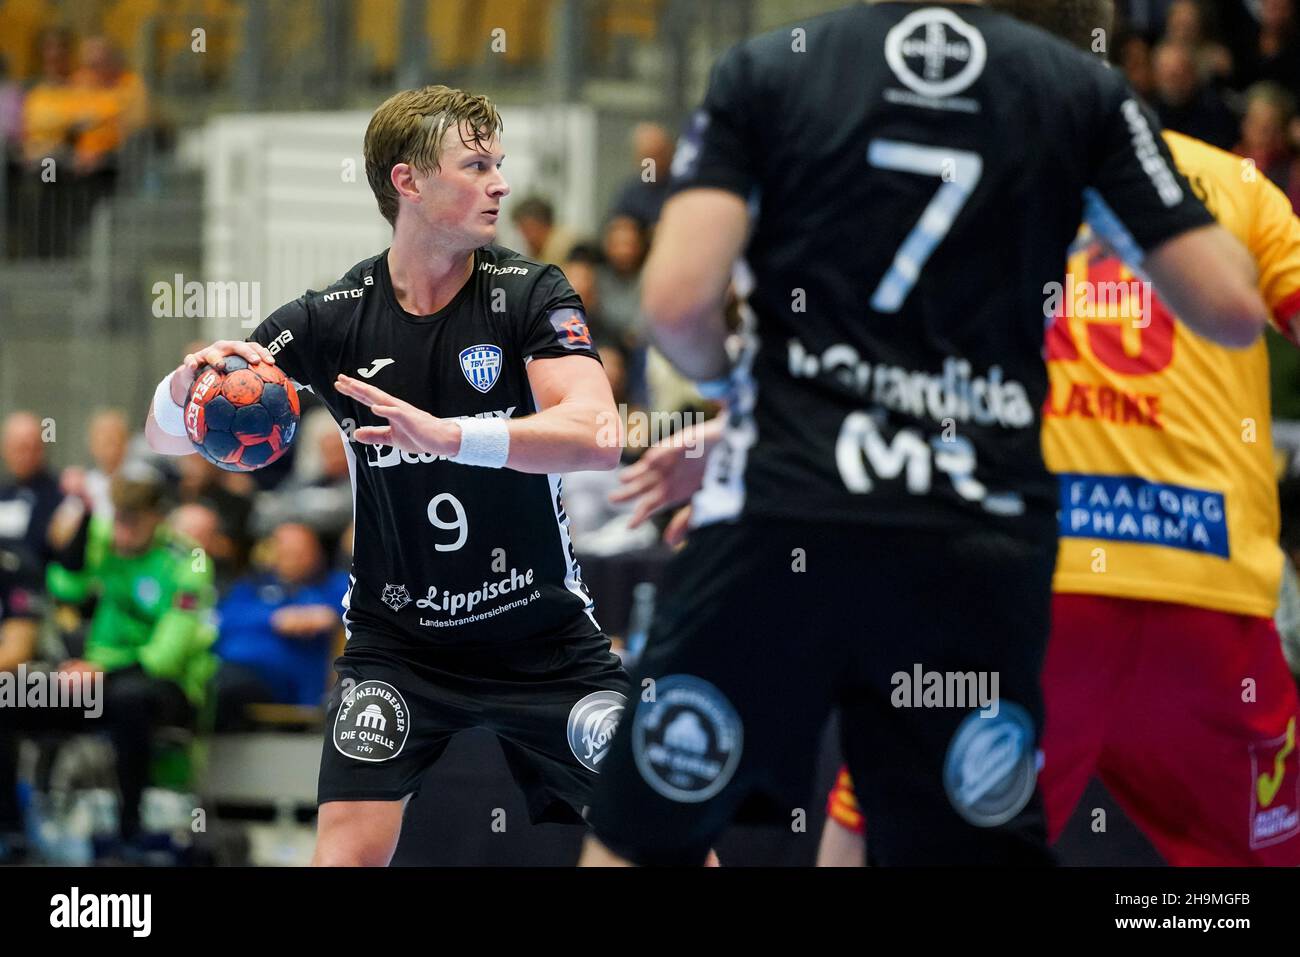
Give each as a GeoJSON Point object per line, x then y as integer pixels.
{"type": "Point", "coordinates": [1164, 674]}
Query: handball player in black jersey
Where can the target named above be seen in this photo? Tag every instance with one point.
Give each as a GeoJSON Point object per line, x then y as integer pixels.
{"type": "Point", "coordinates": [900, 183]}
{"type": "Point", "coordinates": [463, 378]}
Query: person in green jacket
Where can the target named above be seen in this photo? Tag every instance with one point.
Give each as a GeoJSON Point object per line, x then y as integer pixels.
{"type": "Point", "coordinates": [151, 631]}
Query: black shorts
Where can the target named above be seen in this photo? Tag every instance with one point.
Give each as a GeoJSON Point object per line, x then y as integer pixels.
{"type": "Point", "coordinates": [553, 704]}
{"type": "Point", "coordinates": [767, 626]}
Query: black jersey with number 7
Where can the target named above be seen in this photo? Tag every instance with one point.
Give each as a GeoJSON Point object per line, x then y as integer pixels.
{"type": "Point", "coordinates": [916, 174]}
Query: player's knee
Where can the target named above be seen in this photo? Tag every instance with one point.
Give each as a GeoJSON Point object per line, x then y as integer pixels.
{"type": "Point", "coordinates": [350, 854]}
{"type": "Point", "coordinates": [357, 834]}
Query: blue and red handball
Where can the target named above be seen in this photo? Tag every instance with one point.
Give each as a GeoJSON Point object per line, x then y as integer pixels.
{"type": "Point", "coordinates": [243, 417]}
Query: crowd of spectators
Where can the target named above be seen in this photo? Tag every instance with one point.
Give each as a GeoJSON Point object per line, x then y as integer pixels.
{"type": "Point", "coordinates": [63, 133]}
{"type": "Point", "coordinates": [1227, 73]}
{"type": "Point", "coordinates": [190, 590]}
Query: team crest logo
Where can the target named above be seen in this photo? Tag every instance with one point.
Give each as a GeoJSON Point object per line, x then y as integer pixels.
{"type": "Point", "coordinates": [481, 365]}
{"type": "Point", "coordinates": [687, 742]}
{"type": "Point", "coordinates": [1275, 790]}
{"type": "Point", "coordinates": [935, 53]}
{"type": "Point", "coordinates": [395, 597]}
{"type": "Point", "coordinates": [991, 766]}
{"type": "Point", "coordinates": [372, 722]}
{"type": "Point", "coordinates": [592, 723]}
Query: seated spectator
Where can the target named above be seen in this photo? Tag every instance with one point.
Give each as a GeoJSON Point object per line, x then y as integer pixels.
{"type": "Point", "coordinates": [108, 439]}
{"type": "Point", "coordinates": [581, 269]}
{"type": "Point", "coordinates": [618, 278]}
{"type": "Point", "coordinates": [29, 498]}
{"type": "Point", "coordinates": [113, 103]}
{"type": "Point", "coordinates": [229, 494]}
{"type": "Point", "coordinates": [20, 614]}
{"type": "Point", "coordinates": [1133, 55]}
{"type": "Point", "coordinates": [150, 636]}
{"type": "Point", "coordinates": [1186, 24]}
{"type": "Point", "coordinates": [642, 194]}
{"type": "Point", "coordinates": [320, 497]}
{"type": "Point", "coordinates": [201, 525]}
{"type": "Point", "coordinates": [277, 629]}
{"type": "Point", "coordinates": [50, 108]}
{"type": "Point", "coordinates": [1187, 105]}
{"type": "Point", "coordinates": [1272, 52]}
{"type": "Point", "coordinates": [544, 241]}
{"type": "Point", "coordinates": [1264, 139]}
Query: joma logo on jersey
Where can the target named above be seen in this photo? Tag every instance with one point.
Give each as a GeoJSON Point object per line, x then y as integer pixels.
{"type": "Point", "coordinates": [481, 365]}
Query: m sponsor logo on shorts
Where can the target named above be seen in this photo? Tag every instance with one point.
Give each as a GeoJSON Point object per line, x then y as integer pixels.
{"type": "Point", "coordinates": [395, 597]}
{"type": "Point", "coordinates": [991, 766]}
{"type": "Point", "coordinates": [372, 723]}
{"type": "Point", "coordinates": [946, 689]}
{"type": "Point", "coordinates": [77, 910]}
{"type": "Point", "coordinates": [687, 742]}
{"type": "Point", "coordinates": [592, 723]}
{"type": "Point", "coordinates": [1275, 789]}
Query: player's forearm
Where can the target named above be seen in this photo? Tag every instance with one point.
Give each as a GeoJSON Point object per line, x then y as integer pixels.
{"type": "Point", "coordinates": [694, 342]}
{"type": "Point", "coordinates": [570, 437]}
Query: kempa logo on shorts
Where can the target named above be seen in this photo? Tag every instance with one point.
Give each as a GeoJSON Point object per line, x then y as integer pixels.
{"type": "Point", "coordinates": [991, 766]}
{"type": "Point", "coordinates": [592, 723]}
{"type": "Point", "coordinates": [372, 722]}
{"type": "Point", "coordinates": [687, 742]}
{"type": "Point", "coordinates": [923, 47]}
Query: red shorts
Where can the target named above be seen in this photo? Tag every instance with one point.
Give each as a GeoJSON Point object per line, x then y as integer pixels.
{"type": "Point", "coordinates": [1187, 715]}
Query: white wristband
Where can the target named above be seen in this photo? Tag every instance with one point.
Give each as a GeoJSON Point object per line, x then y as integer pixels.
{"type": "Point", "coordinates": [483, 442]}
{"type": "Point", "coordinates": [169, 416]}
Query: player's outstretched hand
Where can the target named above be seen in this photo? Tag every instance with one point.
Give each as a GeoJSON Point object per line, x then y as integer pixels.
{"type": "Point", "coordinates": [214, 355]}
{"type": "Point", "coordinates": [669, 472]}
{"type": "Point", "coordinates": [408, 428]}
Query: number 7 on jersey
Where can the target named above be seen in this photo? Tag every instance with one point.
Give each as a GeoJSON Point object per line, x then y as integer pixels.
{"type": "Point", "coordinates": [960, 172]}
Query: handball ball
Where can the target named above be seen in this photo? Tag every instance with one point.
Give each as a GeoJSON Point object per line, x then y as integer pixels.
{"type": "Point", "coordinates": [243, 418]}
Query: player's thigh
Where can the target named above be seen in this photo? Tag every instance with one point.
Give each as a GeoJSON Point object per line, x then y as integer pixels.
{"type": "Point", "coordinates": [941, 728]}
{"type": "Point", "coordinates": [1205, 760]}
{"type": "Point", "coordinates": [1084, 677]}
{"type": "Point", "coordinates": [730, 698]}
{"type": "Point", "coordinates": [358, 833]}
{"type": "Point", "coordinates": [555, 727]}
{"type": "Point", "coordinates": [386, 724]}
